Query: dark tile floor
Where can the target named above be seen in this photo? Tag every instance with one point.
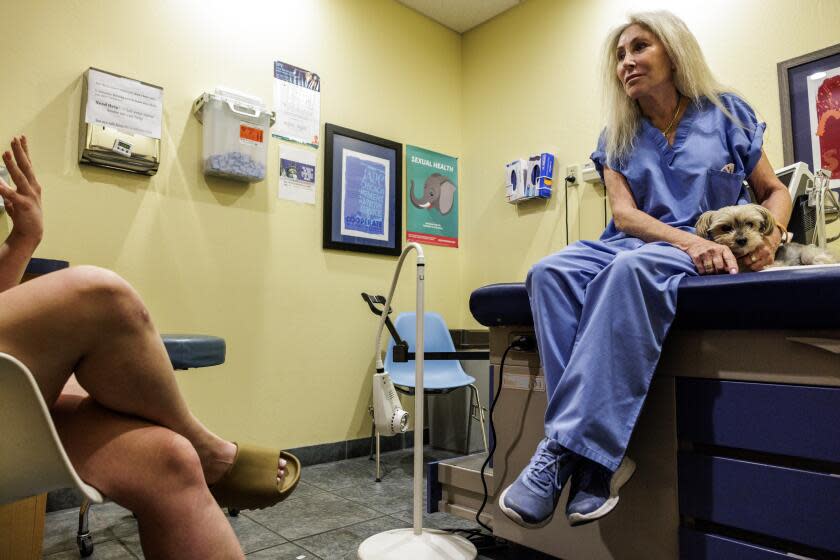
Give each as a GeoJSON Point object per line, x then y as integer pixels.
{"type": "Point", "coordinates": [335, 508]}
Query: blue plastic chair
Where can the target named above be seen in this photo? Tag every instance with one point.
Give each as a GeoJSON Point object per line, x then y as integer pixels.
{"type": "Point", "coordinates": [439, 376]}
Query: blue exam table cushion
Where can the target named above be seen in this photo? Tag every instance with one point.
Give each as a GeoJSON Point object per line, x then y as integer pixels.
{"type": "Point", "coordinates": [194, 350]}
{"type": "Point", "coordinates": [797, 298]}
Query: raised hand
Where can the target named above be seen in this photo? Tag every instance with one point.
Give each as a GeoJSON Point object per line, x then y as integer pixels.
{"type": "Point", "coordinates": [24, 203]}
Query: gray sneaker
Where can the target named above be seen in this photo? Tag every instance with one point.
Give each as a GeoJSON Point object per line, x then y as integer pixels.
{"type": "Point", "coordinates": [531, 499]}
{"type": "Point", "coordinates": [594, 490]}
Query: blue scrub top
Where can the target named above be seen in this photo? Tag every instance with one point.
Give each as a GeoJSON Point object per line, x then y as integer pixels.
{"type": "Point", "coordinates": [676, 183]}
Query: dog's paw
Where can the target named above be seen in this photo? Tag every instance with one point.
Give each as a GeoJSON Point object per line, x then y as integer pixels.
{"type": "Point", "coordinates": [824, 258]}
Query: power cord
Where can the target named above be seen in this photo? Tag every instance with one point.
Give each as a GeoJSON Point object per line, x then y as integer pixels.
{"type": "Point", "coordinates": [568, 180]}
{"type": "Point", "coordinates": [522, 343]}
{"type": "Point", "coordinates": [488, 542]}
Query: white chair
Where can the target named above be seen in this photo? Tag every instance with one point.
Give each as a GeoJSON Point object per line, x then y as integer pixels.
{"type": "Point", "coordinates": [32, 459]}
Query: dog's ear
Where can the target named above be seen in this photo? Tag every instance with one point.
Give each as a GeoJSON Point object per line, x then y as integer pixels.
{"type": "Point", "coordinates": [768, 222]}
{"type": "Point", "coordinates": [704, 222]}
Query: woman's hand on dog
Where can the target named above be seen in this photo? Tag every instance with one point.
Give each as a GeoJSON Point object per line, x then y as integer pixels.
{"type": "Point", "coordinates": [764, 255]}
{"type": "Point", "coordinates": [711, 258]}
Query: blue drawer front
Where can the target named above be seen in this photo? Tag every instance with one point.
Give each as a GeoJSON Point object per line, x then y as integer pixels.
{"type": "Point", "coordinates": [791, 420]}
{"type": "Point", "coordinates": [695, 545]}
{"type": "Point", "coordinates": [795, 505]}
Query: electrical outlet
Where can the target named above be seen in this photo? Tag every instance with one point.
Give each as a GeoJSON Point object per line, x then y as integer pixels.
{"type": "Point", "coordinates": [573, 171]}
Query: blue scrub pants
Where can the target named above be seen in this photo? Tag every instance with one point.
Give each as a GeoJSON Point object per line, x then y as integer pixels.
{"type": "Point", "coordinates": [601, 312]}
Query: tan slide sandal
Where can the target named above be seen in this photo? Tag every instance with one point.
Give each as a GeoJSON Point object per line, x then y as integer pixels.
{"type": "Point", "coordinates": [251, 482]}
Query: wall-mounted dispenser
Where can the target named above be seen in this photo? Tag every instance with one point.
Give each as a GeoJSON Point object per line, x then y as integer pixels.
{"type": "Point", "coordinates": [236, 132]}
{"type": "Point", "coordinates": [529, 179]}
{"type": "Point", "coordinates": [120, 123]}
{"type": "Point", "coordinates": [515, 178]}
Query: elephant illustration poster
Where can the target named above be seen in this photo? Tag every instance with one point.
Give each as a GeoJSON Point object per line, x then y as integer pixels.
{"type": "Point", "coordinates": [432, 201]}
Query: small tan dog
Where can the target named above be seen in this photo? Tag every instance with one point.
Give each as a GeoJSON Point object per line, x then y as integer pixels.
{"type": "Point", "coordinates": [743, 228]}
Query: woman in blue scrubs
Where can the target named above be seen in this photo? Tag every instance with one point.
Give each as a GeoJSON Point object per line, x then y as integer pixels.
{"type": "Point", "coordinates": [676, 144]}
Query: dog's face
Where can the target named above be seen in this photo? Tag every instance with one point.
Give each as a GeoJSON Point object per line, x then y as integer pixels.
{"type": "Point", "coordinates": [741, 228]}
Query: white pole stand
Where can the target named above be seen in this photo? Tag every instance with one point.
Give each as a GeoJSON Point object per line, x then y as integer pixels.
{"type": "Point", "coordinates": [416, 543]}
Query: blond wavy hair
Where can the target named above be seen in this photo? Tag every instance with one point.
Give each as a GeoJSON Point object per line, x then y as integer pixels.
{"type": "Point", "coordinates": [692, 78]}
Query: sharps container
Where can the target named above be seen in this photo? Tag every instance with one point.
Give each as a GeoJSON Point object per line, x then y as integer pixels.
{"type": "Point", "coordinates": [236, 132]}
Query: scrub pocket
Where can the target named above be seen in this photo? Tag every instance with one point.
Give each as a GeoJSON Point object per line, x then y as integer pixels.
{"type": "Point", "coordinates": [723, 189]}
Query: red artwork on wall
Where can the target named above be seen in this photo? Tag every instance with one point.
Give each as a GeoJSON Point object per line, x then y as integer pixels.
{"type": "Point", "coordinates": [828, 124]}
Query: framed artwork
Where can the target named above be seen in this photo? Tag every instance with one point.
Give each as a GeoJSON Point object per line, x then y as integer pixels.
{"type": "Point", "coordinates": [362, 192]}
{"type": "Point", "coordinates": [809, 87]}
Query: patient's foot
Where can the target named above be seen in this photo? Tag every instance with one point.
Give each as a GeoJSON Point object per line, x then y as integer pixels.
{"type": "Point", "coordinates": [217, 458]}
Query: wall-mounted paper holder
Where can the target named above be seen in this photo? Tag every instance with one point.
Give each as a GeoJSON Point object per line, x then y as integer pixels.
{"type": "Point", "coordinates": [122, 139]}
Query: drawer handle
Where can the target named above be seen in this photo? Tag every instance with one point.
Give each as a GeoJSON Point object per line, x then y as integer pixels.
{"type": "Point", "coordinates": [828, 344]}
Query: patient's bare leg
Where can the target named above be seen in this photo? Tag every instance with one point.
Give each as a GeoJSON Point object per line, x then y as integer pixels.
{"type": "Point", "coordinates": [91, 321]}
{"type": "Point", "coordinates": [150, 470]}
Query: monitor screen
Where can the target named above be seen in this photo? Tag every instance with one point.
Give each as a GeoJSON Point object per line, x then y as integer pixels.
{"type": "Point", "coordinates": [785, 176]}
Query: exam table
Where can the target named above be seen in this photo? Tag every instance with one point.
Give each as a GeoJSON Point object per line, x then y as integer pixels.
{"type": "Point", "coordinates": [737, 447]}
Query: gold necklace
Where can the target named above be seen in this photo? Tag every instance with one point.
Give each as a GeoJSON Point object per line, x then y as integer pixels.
{"type": "Point", "coordinates": [673, 119]}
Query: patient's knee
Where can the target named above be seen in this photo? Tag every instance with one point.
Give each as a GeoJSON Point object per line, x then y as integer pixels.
{"type": "Point", "coordinates": [166, 479]}
{"type": "Point", "coordinates": [179, 464]}
{"type": "Point", "coordinates": [108, 295]}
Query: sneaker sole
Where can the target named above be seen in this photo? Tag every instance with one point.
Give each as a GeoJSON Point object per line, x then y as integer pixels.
{"type": "Point", "coordinates": [622, 475]}
{"type": "Point", "coordinates": [516, 518]}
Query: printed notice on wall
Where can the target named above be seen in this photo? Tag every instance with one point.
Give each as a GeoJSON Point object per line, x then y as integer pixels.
{"type": "Point", "coordinates": [432, 202]}
{"type": "Point", "coordinates": [297, 175]}
{"type": "Point", "coordinates": [297, 102]}
{"type": "Point", "coordinates": [365, 197]}
{"type": "Point", "coordinates": [127, 105]}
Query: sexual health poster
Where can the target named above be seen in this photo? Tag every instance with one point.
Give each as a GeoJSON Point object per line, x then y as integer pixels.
{"type": "Point", "coordinates": [432, 201]}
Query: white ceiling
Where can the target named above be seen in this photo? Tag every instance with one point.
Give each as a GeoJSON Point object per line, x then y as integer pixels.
{"type": "Point", "coordinates": [460, 15]}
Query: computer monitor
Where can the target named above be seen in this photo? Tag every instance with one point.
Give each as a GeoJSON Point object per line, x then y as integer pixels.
{"type": "Point", "coordinates": [803, 219]}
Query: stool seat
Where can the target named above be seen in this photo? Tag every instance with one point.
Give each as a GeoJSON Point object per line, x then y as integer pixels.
{"type": "Point", "coordinates": [194, 350]}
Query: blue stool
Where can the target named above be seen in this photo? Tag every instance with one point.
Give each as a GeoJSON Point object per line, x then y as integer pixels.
{"type": "Point", "coordinates": [186, 351]}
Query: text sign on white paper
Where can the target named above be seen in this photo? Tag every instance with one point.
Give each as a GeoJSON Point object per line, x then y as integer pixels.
{"type": "Point", "coordinates": [125, 104]}
{"type": "Point", "coordinates": [297, 102]}
{"type": "Point", "coordinates": [524, 382]}
{"type": "Point", "coordinates": [297, 175]}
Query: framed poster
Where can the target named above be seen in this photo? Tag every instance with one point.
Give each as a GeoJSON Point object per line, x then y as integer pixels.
{"type": "Point", "coordinates": [362, 192]}
{"type": "Point", "coordinates": [809, 88]}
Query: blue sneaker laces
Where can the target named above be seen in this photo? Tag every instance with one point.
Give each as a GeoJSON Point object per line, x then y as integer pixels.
{"type": "Point", "coordinates": [545, 471]}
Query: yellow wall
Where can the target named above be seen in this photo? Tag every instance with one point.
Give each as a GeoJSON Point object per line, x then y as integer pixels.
{"type": "Point", "coordinates": [228, 259]}
{"type": "Point", "coordinates": [225, 258]}
{"type": "Point", "coordinates": [530, 83]}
